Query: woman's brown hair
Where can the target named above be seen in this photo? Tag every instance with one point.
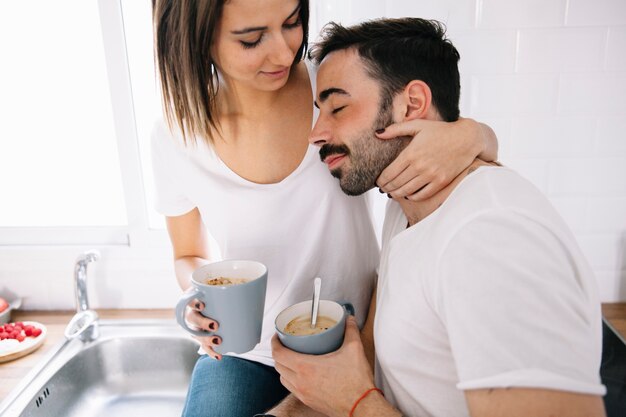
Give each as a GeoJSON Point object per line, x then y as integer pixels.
{"type": "Point", "coordinates": [183, 34]}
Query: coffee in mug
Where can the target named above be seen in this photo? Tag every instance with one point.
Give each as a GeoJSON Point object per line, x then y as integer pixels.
{"type": "Point", "coordinates": [224, 281]}
{"type": "Point", "coordinates": [301, 326]}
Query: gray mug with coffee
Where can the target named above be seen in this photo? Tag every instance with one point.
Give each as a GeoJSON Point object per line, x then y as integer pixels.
{"type": "Point", "coordinates": [233, 293]}
{"type": "Point", "coordinates": [324, 340]}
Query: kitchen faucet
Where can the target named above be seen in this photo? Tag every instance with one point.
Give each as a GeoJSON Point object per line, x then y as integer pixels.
{"type": "Point", "coordinates": [84, 324]}
{"type": "Point", "coordinates": [80, 278]}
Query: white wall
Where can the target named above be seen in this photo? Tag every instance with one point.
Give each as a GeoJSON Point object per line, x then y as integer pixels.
{"type": "Point", "coordinates": [549, 76]}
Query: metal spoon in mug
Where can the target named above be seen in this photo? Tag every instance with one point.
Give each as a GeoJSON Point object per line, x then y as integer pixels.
{"type": "Point", "coordinates": [317, 284]}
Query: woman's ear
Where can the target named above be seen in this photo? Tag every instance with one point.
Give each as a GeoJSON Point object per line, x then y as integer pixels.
{"type": "Point", "coordinates": [417, 98]}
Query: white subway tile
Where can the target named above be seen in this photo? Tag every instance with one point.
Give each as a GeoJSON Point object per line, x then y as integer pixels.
{"type": "Point", "coordinates": [366, 10]}
{"type": "Point", "coordinates": [552, 136]}
{"type": "Point", "coordinates": [591, 177]}
{"type": "Point", "coordinates": [608, 285]}
{"type": "Point", "coordinates": [514, 94]}
{"type": "Point", "coordinates": [534, 170]}
{"type": "Point", "coordinates": [609, 176]}
{"type": "Point", "coordinates": [611, 285]}
{"type": "Point", "coordinates": [573, 210]}
{"type": "Point", "coordinates": [611, 136]}
{"type": "Point", "coordinates": [517, 13]}
{"type": "Point", "coordinates": [465, 104]}
{"type": "Point", "coordinates": [596, 12]}
{"type": "Point", "coordinates": [570, 177]}
{"type": "Point", "coordinates": [332, 10]}
{"type": "Point", "coordinates": [616, 49]}
{"type": "Point", "coordinates": [592, 93]}
{"type": "Point", "coordinates": [454, 13]}
{"type": "Point", "coordinates": [603, 250]}
{"type": "Point", "coordinates": [551, 50]}
{"type": "Point", "coordinates": [607, 214]}
{"type": "Point", "coordinates": [502, 129]}
{"type": "Point", "coordinates": [485, 51]}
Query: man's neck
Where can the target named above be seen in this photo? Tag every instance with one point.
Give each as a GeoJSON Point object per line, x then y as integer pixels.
{"type": "Point", "coordinates": [415, 211]}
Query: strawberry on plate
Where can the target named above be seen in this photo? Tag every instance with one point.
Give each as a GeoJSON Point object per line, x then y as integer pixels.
{"type": "Point", "coordinates": [19, 339]}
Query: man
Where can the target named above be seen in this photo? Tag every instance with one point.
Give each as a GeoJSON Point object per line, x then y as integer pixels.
{"type": "Point", "coordinates": [485, 306]}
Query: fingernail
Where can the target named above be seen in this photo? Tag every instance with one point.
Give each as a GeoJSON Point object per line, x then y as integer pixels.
{"type": "Point", "coordinates": [379, 131]}
{"type": "Point", "coordinates": [216, 341]}
{"type": "Point", "coordinates": [389, 196]}
{"type": "Point", "coordinates": [212, 326]}
{"type": "Point", "coordinates": [380, 190]}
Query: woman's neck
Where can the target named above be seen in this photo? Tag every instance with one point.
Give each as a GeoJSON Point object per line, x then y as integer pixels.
{"type": "Point", "coordinates": [240, 102]}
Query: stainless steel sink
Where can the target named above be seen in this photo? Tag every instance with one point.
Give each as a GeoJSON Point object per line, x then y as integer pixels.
{"type": "Point", "coordinates": [134, 368]}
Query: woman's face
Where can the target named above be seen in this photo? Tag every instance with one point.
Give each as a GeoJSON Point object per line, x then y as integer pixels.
{"type": "Point", "coordinates": [256, 42]}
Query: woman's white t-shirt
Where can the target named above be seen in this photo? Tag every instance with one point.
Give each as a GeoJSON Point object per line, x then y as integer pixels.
{"type": "Point", "coordinates": [300, 228]}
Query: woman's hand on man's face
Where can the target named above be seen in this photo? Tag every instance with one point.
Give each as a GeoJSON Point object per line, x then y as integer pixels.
{"type": "Point", "coordinates": [438, 152]}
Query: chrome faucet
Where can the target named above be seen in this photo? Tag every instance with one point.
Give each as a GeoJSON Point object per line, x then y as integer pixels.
{"type": "Point", "coordinates": [80, 278]}
{"type": "Point", "coordinates": [84, 324]}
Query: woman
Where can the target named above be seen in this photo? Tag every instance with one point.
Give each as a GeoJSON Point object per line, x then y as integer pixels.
{"type": "Point", "coordinates": [236, 164]}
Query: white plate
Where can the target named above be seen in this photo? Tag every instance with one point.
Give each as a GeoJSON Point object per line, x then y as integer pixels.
{"type": "Point", "coordinates": [10, 350]}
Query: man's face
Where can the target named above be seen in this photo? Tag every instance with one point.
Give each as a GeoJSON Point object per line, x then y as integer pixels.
{"type": "Point", "coordinates": [351, 110]}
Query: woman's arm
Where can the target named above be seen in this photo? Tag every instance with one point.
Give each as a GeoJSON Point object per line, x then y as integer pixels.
{"type": "Point", "coordinates": [190, 244]}
{"type": "Point", "coordinates": [438, 152]}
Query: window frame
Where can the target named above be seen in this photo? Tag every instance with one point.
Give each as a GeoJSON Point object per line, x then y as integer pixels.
{"type": "Point", "coordinates": [137, 232]}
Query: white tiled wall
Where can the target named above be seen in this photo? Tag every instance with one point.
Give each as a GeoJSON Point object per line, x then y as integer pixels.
{"type": "Point", "coordinates": [549, 76]}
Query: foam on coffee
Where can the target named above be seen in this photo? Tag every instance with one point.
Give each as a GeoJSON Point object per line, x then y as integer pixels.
{"type": "Point", "coordinates": [301, 326]}
{"type": "Point", "coordinates": [225, 282]}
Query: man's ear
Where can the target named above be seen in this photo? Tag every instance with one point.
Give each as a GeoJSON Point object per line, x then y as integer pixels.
{"type": "Point", "coordinates": [417, 99]}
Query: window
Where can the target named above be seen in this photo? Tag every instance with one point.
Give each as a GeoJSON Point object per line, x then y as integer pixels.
{"type": "Point", "coordinates": [59, 159]}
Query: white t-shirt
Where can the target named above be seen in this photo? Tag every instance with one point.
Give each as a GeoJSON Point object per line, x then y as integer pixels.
{"type": "Point", "coordinates": [489, 291]}
{"type": "Point", "coordinates": [300, 228]}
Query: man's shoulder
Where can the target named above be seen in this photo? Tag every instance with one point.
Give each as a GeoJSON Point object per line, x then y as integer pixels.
{"type": "Point", "coordinates": [493, 189]}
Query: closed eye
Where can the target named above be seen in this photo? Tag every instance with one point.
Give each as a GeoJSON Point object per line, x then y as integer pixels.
{"type": "Point", "coordinates": [248, 45]}
{"type": "Point", "coordinates": [293, 25]}
{"type": "Point", "coordinates": [338, 109]}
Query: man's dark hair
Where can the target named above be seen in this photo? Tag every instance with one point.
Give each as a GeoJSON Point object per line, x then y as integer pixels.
{"type": "Point", "coordinates": [397, 51]}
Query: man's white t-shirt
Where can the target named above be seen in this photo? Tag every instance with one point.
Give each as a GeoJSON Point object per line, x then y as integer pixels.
{"type": "Point", "coordinates": [489, 291]}
{"type": "Point", "coordinates": [300, 228]}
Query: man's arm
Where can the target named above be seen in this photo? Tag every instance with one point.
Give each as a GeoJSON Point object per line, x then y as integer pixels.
{"type": "Point", "coordinates": [523, 402]}
{"type": "Point", "coordinates": [293, 407]}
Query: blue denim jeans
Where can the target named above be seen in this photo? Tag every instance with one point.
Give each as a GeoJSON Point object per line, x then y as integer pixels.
{"type": "Point", "coordinates": [232, 387]}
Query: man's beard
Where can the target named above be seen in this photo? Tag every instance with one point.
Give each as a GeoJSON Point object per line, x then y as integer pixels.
{"type": "Point", "coordinates": [368, 156]}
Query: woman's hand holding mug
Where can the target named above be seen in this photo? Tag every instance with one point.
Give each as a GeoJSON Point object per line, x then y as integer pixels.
{"type": "Point", "coordinates": [224, 306]}
{"type": "Point", "coordinates": [196, 319]}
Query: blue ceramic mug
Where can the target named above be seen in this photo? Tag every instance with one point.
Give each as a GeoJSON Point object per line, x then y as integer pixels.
{"type": "Point", "coordinates": [238, 308]}
{"type": "Point", "coordinates": [315, 344]}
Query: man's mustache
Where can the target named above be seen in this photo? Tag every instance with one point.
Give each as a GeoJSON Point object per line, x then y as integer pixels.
{"type": "Point", "coordinates": [329, 149]}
